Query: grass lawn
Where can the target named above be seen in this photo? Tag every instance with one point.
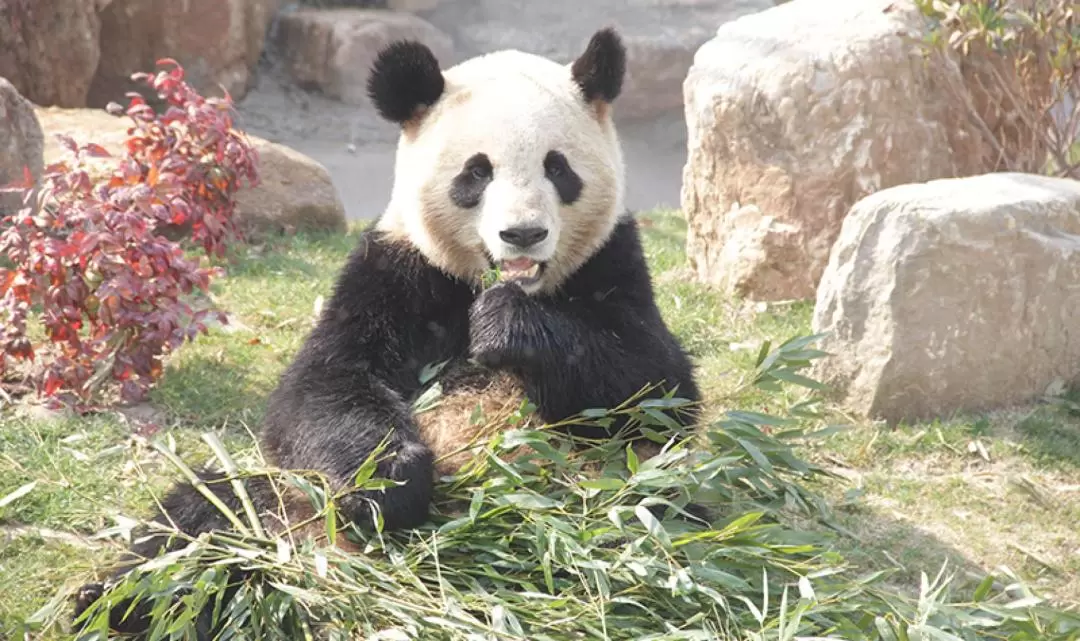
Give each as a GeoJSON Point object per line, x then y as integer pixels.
{"type": "Point", "coordinates": [982, 492]}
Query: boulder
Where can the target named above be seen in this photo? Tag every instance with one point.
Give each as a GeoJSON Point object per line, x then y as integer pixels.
{"type": "Point", "coordinates": [21, 144]}
{"type": "Point", "coordinates": [954, 295]}
{"type": "Point", "coordinates": [656, 66]}
{"type": "Point", "coordinates": [217, 41]}
{"type": "Point", "coordinates": [332, 50]}
{"type": "Point", "coordinates": [49, 49]}
{"type": "Point", "coordinates": [84, 125]}
{"type": "Point", "coordinates": [793, 114]}
{"type": "Point", "coordinates": [294, 192]}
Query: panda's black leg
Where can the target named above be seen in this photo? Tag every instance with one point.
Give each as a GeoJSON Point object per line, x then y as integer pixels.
{"type": "Point", "coordinates": [403, 506]}
{"type": "Point", "coordinates": [87, 596]}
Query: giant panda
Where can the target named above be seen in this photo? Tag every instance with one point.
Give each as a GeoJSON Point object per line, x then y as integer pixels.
{"type": "Point", "coordinates": [507, 161]}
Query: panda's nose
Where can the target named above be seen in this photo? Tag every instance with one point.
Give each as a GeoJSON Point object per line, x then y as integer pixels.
{"type": "Point", "coordinates": [523, 236]}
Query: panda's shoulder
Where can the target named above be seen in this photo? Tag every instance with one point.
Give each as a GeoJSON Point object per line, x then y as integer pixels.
{"type": "Point", "coordinates": [620, 261]}
{"type": "Point", "coordinates": [381, 265]}
{"type": "Point", "coordinates": [625, 239]}
{"type": "Point", "coordinates": [378, 250]}
{"type": "Point", "coordinates": [378, 253]}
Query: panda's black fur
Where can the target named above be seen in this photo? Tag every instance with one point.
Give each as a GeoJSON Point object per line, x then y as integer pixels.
{"type": "Point", "coordinates": [601, 69]}
{"type": "Point", "coordinates": [404, 77]}
{"type": "Point", "coordinates": [595, 342]}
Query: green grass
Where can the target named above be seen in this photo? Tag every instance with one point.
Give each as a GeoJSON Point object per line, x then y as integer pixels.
{"type": "Point", "coordinates": [923, 495]}
{"type": "Point", "coordinates": [723, 335]}
{"type": "Point", "coordinates": [983, 492]}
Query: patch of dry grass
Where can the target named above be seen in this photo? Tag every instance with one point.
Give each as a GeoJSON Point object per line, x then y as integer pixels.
{"type": "Point", "coordinates": [984, 492]}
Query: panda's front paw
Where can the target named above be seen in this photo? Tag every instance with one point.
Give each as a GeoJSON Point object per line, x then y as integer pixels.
{"type": "Point", "coordinates": [87, 596]}
{"type": "Point", "coordinates": [497, 305]}
{"type": "Point", "coordinates": [493, 321]}
{"type": "Point", "coordinates": [498, 295]}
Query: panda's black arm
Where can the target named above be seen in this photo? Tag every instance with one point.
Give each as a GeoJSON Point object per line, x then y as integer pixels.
{"type": "Point", "coordinates": [596, 344]}
{"type": "Point", "coordinates": [332, 421]}
{"type": "Point", "coordinates": [574, 357]}
{"type": "Point", "coordinates": [348, 387]}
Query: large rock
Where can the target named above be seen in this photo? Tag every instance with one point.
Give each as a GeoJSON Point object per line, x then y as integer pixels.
{"type": "Point", "coordinates": [332, 50]}
{"type": "Point", "coordinates": [21, 144]}
{"type": "Point", "coordinates": [656, 66]}
{"type": "Point", "coordinates": [84, 125]}
{"type": "Point", "coordinates": [294, 192]}
{"type": "Point", "coordinates": [217, 41]}
{"type": "Point", "coordinates": [795, 113]}
{"type": "Point", "coordinates": [953, 295]}
{"type": "Point", "coordinates": [49, 49]}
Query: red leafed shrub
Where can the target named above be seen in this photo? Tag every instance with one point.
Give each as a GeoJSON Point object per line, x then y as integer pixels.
{"type": "Point", "coordinates": [194, 147]}
{"type": "Point", "coordinates": [87, 258]}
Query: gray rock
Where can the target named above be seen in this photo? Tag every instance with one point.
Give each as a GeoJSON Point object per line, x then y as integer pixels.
{"type": "Point", "coordinates": [22, 143]}
{"type": "Point", "coordinates": [953, 295]}
{"type": "Point", "coordinates": [333, 49]}
{"type": "Point", "coordinates": [294, 192]}
{"type": "Point", "coordinates": [217, 41]}
{"type": "Point", "coordinates": [50, 50]}
{"type": "Point", "coordinates": [795, 113]}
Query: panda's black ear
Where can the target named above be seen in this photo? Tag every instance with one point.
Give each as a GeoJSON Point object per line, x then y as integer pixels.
{"type": "Point", "coordinates": [405, 77]}
{"type": "Point", "coordinates": [600, 69]}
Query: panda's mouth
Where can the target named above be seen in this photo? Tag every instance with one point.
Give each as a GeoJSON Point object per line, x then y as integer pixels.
{"type": "Point", "coordinates": [525, 270]}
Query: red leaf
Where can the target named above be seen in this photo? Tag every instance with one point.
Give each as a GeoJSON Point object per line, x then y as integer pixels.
{"type": "Point", "coordinates": [68, 142]}
{"type": "Point", "coordinates": [95, 150]}
{"type": "Point", "coordinates": [53, 383]}
{"type": "Point", "coordinates": [21, 348]}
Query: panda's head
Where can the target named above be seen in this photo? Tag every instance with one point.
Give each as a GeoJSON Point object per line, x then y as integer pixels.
{"type": "Point", "coordinates": [507, 160]}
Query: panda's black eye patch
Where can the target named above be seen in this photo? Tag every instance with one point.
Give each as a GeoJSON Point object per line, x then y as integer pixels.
{"type": "Point", "coordinates": [469, 184]}
{"type": "Point", "coordinates": [567, 183]}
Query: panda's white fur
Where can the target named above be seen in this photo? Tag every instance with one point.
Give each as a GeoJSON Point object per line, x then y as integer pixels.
{"type": "Point", "coordinates": [515, 107]}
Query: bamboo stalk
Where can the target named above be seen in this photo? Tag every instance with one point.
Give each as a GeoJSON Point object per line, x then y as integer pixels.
{"type": "Point", "coordinates": [201, 487]}
{"type": "Point", "coordinates": [238, 485]}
